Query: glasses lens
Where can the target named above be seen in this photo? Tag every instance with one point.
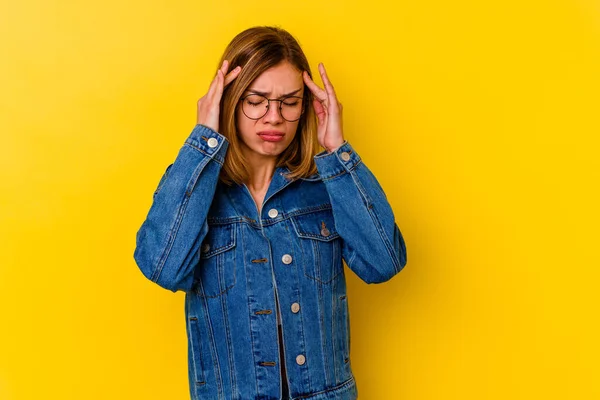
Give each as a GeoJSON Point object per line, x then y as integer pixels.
{"type": "Point", "coordinates": [255, 106]}
{"type": "Point", "coordinates": [291, 108]}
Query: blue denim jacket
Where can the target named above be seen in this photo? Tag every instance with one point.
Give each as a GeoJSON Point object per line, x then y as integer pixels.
{"type": "Point", "coordinates": [244, 272]}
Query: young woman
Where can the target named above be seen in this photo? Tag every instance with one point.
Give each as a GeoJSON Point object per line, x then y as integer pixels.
{"type": "Point", "coordinates": [252, 221]}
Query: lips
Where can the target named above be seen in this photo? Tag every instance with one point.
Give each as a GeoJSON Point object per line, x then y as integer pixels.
{"type": "Point", "coordinates": [271, 136]}
{"type": "Point", "coordinates": [271, 133]}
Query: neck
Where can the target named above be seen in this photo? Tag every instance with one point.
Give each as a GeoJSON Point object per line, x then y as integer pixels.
{"type": "Point", "coordinates": [260, 169]}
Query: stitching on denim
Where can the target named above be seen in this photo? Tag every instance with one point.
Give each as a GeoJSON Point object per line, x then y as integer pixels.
{"type": "Point", "coordinates": [225, 220]}
{"type": "Point", "coordinates": [365, 197]}
{"type": "Point", "coordinates": [334, 176]}
{"type": "Point", "coordinates": [350, 263]}
{"type": "Point", "coordinates": [249, 308]}
{"type": "Point", "coordinates": [232, 378]}
{"type": "Point", "coordinates": [334, 324]}
{"type": "Point", "coordinates": [212, 220]}
{"type": "Point", "coordinates": [321, 316]}
{"type": "Point", "coordinates": [344, 313]}
{"type": "Point", "coordinates": [170, 240]}
{"type": "Point", "coordinates": [348, 330]}
{"type": "Point", "coordinates": [219, 262]}
{"type": "Point", "coordinates": [299, 293]}
{"type": "Point", "coordinates": [196, 345]}
{"type": "Point", "coordinates": [213, 348]}
{"type": "Point", "coordinates": [163, 179]}
{"type": "Point", "coordinates": [348, 383]}
{"type": "Point", "coordinates": [175, 228]}
{"type": "Point", "coordinates": [231, 243]}
{"type": "Point", "coordinates": [385, 240]}
{"type": "Point", "coordinates": [285, 215]}
{"type": "Point", "coordinates": [196, 176]}
{"type": "Point", "coordinates": [212, 156]}
{"type": "Point", "coordinates": [315, 240]}
{"type": "Point", "coordinates": [369, 203]}
{"type": "Point", "coordinates": [333, 234]}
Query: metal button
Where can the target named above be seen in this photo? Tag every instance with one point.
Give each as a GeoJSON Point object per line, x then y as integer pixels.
{"type": "Point", "coordinates": [295, 307]}
{"type": "Point", "coordinates": [287, 259]}
{"type": "Point", "coordinates": [345, 156]}
{"type": "Point", "coordinates": [212, 142]}
{"type": "Point", "coordinates": [325, 232]}
{"type": "Point", "coordinates": [300, 359]}
{"type": "Point", "coordinates": [273, 213]}
{"type": "Point", "coordinates": [205, 247]}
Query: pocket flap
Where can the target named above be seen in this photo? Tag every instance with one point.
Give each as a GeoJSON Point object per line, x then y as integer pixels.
{"type": "Point", "coordinates": [317, 225]}
{"type": "Point", "coordinates": [219, 238]}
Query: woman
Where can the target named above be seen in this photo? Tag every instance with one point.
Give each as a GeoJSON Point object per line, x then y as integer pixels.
{"type": "Point", "coordinates": [252, 222]}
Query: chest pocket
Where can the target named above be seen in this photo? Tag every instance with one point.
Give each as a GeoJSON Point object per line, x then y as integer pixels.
{"type": "Point", "coordinates": [321, 245]}
{"type": "Point", "coordinates": [216, 273]}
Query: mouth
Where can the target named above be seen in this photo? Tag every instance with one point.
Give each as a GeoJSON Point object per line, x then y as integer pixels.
{"type": "Point", "coordinates": [271, 136]}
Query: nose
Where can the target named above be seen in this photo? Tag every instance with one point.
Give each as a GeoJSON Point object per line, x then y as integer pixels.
{"type": "Point", "coordinates": [273, 114]}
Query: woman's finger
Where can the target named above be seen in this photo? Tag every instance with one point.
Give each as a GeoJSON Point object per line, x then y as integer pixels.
{"type": "Point", "coordinates": [319, 93]}
{"type": "Point", "coordinates": [232, 75]}
{"type": "Point", "coordinates": [220, 85]}
{"type": "Point", "coordinates": [319, 110]}
{"type": "Point", "coordinates": [213, 85]}
{"type": "Point", "coordinates": [328, 86]}
{"type": "Point", "coordinates": [224, 66]}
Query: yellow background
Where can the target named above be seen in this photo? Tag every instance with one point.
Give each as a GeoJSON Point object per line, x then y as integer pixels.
{"type": "Point", "coordinates": [480, 119]}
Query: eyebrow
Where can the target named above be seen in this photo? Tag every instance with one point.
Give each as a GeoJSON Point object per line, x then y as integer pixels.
{"type": "Point", "coordinates": [266, 93]}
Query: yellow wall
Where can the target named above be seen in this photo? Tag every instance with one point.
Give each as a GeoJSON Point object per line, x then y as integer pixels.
{"type": "Point", "coordinates": [480, 120]}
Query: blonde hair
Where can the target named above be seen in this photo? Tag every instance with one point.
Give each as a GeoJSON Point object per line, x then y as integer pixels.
{"type": "Point", "coordinates": [257, 49]}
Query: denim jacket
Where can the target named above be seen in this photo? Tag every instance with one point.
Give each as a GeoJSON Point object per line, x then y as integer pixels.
{"type": "Point", "coordinates": [246, 274]}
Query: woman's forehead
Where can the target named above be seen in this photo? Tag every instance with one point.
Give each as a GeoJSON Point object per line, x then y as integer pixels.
{"type": "Point", "coordinates": [280, 79]}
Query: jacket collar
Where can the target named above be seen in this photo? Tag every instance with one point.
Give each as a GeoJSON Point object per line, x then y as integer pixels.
{"type": "Point", "coordinates": [279, 181]}
{"type": "Point", "coordinates": [313, 177]}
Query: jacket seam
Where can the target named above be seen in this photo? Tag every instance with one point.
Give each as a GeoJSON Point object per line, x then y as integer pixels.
{"type": "Point", "coordinates": [337, 387]}
{"type": "Point", "coordinates": [204, 152]}
{"type": "Point", "coordinates": [175, 228]}
{"type": "Point", "coordinates": [369, 204]}
{"type": "Point", "coordinates": [213, 348]}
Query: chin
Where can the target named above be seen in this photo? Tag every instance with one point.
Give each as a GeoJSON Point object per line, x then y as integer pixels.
{"type": "Point", "coordinates": [265, 148]}
{"type": "Point", "coordinates": [270, 149]}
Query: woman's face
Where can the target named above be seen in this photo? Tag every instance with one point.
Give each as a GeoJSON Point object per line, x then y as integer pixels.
{"type": "Point", "coordinates": [271, 134]}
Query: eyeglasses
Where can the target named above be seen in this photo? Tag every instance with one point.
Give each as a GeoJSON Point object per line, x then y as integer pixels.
{"type": "Point", "coordinates": [256, 106]}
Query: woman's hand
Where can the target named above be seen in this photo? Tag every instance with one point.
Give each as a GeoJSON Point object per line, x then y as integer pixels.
{"type": "Point", "coordinates": [209, 104]}
{"type": "Point", "coordinates": [328, 110]}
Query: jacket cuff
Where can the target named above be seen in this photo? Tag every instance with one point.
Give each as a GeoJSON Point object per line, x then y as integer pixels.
{"type": "Point", "coordinates": [343, 159]}
{"type": "Point", "coordinates": [209, 142]}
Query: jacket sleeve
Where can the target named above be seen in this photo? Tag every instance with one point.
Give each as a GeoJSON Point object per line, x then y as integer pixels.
{"type": "Point", "coordinates": [168, 241]}
{"type": "Point", "coordinates": [373, 246]}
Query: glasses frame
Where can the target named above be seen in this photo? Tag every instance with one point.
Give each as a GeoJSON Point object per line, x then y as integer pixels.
{"type": "Point", "coordinates": [269, 105]}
